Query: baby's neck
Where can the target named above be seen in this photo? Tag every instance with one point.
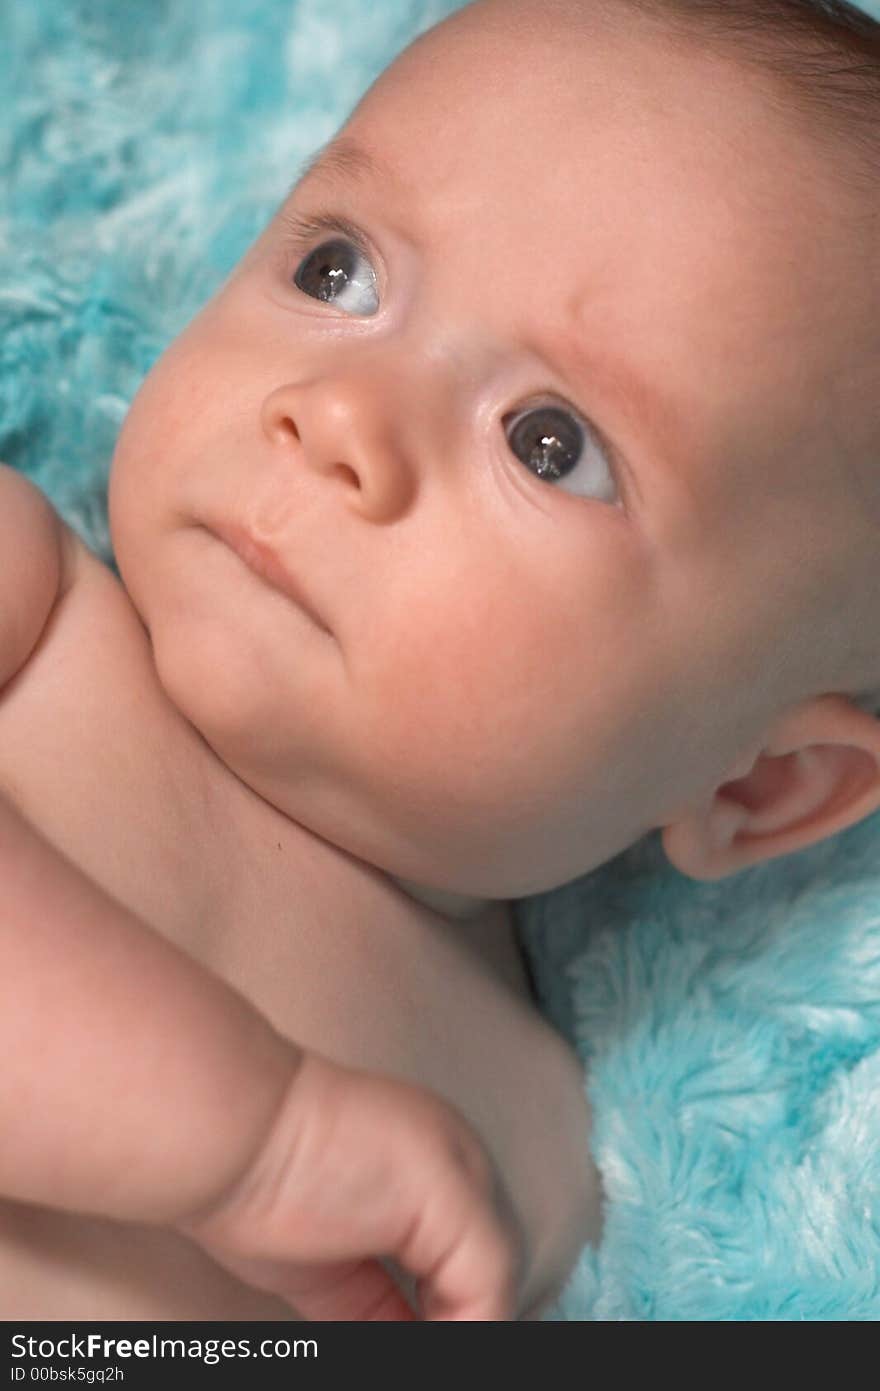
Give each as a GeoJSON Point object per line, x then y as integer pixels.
{"type": "Point", "coordinates": [450, 905]}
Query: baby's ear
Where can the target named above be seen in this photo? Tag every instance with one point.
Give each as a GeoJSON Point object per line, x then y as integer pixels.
{"type": "Point", "coordinates": [817, 772]}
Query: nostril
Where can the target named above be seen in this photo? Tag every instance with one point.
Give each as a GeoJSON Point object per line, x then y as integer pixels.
{"type": "Point", "coordinates": [283, 428]}
{"type": "Point", "coordinates": [348, 475]}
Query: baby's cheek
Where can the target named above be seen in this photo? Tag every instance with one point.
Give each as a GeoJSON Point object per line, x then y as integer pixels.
{"type": "Point", "coordinates": [459, 703]}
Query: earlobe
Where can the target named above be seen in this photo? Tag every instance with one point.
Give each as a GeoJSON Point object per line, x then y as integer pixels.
{"type": "Point", "coordinates": [817, 773]}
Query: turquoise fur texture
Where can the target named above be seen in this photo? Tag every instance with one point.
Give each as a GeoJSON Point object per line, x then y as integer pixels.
{"type": "Point", "coordinates": [731, 1031]}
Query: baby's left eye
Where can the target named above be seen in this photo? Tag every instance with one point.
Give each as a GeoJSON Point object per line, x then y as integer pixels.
{"type": "Point", "coordinates": [552, 443]}
{"type": "Point", "coordinates": [337, 271]}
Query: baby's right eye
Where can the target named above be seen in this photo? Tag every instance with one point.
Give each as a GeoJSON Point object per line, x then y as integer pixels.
{"type": "Point", "coordinates": [336, 269]}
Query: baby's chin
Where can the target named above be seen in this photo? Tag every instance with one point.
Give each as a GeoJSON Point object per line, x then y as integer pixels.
{"type": "Point", "coordinates": [300, 767]}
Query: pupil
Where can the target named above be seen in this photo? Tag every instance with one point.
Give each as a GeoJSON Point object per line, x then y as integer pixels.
{"type": "Point", "coordinates": [548, 442]}
{"type": "Point", "coordinates": [325, 270]}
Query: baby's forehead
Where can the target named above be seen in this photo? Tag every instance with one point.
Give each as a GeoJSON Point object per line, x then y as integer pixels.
{"type": "Point", "coordinates": [588, 100]}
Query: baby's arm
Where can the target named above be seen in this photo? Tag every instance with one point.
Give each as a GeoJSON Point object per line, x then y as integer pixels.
{"type": "Point", "coordinates": [98, 1110]}
{"type": "Point", "coordinates": [138, 1086]}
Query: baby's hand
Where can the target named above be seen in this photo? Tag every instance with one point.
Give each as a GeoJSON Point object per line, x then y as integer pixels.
{"type": "Point", "coordinates": [358, 1167]}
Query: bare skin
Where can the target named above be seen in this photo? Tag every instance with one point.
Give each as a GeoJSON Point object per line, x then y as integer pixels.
{"type": "Point", "coordinates": [329, 950]}
{"type": "Point", "coordinates": [523, 673]}
{"type": "Point", "coordinates": [516, 673]}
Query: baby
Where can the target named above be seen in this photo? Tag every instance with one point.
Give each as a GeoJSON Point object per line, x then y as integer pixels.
{"type": "Point", "coordinates": [514, 497]}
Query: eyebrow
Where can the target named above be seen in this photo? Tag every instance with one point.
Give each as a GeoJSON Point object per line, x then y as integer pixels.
{"type": "Point", "coordinates": [340, 160]}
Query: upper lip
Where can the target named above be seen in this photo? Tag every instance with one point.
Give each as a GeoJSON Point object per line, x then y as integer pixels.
{"type": "Point", "coordinates": [265, 562]}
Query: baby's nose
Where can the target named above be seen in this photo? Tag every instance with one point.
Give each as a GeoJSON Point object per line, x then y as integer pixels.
{"type": "Point", "coordinates": [342, 430]}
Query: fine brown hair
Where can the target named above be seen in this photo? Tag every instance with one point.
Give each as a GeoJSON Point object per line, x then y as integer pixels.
{"type": "Point", "coordinates": [820, 60]}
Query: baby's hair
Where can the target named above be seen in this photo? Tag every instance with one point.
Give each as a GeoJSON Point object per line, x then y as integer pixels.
{"type": "Point", "coordinates": [822, 58]}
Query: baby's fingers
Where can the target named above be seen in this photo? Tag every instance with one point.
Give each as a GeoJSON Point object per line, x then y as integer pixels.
{"type": "Point", "coordinates": [347, 1291]}
{"type": "Point", "coordinates": [463, 1252]}
{"type": "Point", "coordinates": [361, 1291]}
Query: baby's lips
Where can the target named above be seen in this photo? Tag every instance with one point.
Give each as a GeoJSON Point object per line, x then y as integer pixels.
{"type": "Point", "coordinates": [265, 562]}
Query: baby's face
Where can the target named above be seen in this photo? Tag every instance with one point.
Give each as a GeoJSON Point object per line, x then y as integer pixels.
{"type": "Point", "coordinates": [545, 452]}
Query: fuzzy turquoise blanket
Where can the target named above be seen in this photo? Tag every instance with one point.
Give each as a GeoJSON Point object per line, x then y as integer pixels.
{"type": "Point", "coordinates": [731, 1030]}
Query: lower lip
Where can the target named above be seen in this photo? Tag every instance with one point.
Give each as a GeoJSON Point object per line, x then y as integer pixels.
{"type": "Point", "coordinates": [264, 563]}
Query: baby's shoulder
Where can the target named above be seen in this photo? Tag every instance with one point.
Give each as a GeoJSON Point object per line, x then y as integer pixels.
{"type": "Point", "coordinates": [35, 568]}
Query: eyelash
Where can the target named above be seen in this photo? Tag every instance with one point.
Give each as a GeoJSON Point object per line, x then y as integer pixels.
{"type": "Point", "coordinates": [302, 229]}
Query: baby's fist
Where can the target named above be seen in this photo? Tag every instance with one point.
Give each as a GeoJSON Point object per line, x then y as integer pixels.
{"type": "Point", "coordinates": [357, 1167]}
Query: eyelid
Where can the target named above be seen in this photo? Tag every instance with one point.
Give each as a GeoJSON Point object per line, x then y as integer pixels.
{"type": "Point", "coordinates": [304, 228]}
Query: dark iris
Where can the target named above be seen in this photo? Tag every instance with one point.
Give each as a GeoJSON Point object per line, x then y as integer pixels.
{"type": "Point", "coordinates": [326, 269]}
{"type": "Point", "coordinates": [547, 440]}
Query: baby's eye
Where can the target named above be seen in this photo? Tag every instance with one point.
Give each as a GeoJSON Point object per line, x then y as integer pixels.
{"type": "Point", "coordinates": [552, 442]}
{"type": "Point", "coordinates": [340, 274]}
